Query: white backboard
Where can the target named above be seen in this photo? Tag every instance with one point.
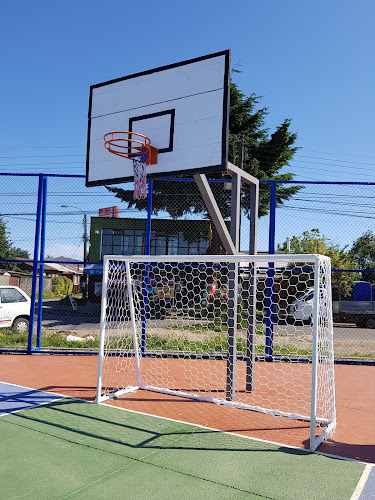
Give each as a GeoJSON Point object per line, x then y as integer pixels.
{"type": "Point", "coordinates": [183, 108]}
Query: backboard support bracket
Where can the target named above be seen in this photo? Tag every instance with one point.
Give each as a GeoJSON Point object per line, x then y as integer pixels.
{"type": "Point", "coordinates": [231, 242]}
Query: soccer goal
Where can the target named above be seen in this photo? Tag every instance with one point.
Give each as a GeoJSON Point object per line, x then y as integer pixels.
{"type": "Point", "coordinates": [250, 332]}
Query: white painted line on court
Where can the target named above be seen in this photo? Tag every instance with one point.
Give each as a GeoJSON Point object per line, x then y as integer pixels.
{"type": "Point", "coordinates": [362, 482]}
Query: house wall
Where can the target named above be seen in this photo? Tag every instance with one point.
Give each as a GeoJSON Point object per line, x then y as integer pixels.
{"type": "Point", "coordinates": [25, 283]}
{"type": "Point", "coordinates": [4, 279]}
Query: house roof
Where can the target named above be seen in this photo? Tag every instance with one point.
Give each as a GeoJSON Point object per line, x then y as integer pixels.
{"type": "Point", "coordinates": [64, 269]}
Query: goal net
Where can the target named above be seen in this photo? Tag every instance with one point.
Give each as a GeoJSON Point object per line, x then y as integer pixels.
{"type": "Point", "coordinates": [251, 332]}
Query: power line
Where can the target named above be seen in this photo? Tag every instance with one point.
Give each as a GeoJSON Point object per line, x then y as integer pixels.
{"type": "Point", "coordinates": [42, 147]}
{"type": "Point", "coordinates": [329, 212]}
{"type": "Point", "coordinates": [39, 156]}
{"type": "Point", "coordinates": [331, 165]}
{"type": "Point", "coordinates": [37, 164]}
{"type": "Point", "coordinates": [339, 154]}
{"type": "Point", "coordinates": [332, 159]}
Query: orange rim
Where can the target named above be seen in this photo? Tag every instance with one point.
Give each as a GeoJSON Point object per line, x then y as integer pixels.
{"type": "Point", "coordinates": [124, 144]}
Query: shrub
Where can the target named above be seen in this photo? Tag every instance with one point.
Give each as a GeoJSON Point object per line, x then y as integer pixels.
{"type": "Point", "coordinates": [62, 285]}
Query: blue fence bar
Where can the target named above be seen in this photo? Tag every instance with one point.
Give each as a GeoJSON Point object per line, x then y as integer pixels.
{"type": "Point", "coordinates": [41, 267]}
{"type": "Point", "coordinates": [35, 262]}
{"type": "Point", "coordinates": [147, 267]}
{"type": "Point", "coordinates": [270, 276]}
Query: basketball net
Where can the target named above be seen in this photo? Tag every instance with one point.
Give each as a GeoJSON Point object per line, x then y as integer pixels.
{"type": "Point", "coordinates": [140, 177]}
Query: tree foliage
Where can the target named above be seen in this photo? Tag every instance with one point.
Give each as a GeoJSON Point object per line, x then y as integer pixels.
{"type": "Point", "coordinates": [363, 252]}
{"type": "Point", "coordinates": [8, 251]}
{"type": "Point", "coordinates": [312, 242]}
{"type": "Point", "coordinates": [264, 156]}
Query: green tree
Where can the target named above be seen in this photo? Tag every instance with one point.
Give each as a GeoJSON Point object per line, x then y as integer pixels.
{"type": "Point", "coordinates": [312, 242]}
{"type": "Point", "coordinates": [4, 243]}
{"type": "Point", "coordinates": [264, 156]}
{"type": "Point", "coordinates": [8, 251]}
{"type": "Point", "coordinates": [363, 252]}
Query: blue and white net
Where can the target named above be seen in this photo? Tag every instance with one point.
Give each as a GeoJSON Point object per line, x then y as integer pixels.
{"type": "Point", "coordinates": [140, 177]}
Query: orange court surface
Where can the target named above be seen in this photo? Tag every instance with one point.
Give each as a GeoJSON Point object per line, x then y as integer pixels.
{"type": "Point", "coordinates": [75, 376]}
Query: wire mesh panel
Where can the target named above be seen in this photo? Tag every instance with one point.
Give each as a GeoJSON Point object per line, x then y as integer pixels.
{"type": "Point", "coordinates": [228, 329]}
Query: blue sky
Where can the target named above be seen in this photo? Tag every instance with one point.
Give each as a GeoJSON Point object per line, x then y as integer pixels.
{"type": "Point", "coordinates": [312, 62]}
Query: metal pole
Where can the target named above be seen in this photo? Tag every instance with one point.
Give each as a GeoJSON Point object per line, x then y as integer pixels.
{"type": "Point", "coordinates": [147, 267]}
{"type": "Point", "coordinates": [41, 267]}
{"type": "Point", "coordinates": [35, 264]}
{"type": "Point", "coordinates": [85, 256]}
{"type": "Point", "coordinates": [233, 289]}
{"type": "Point", "coordinates": [252, 299]}
{"type": "Point", "coordinates": [270, 276]}
{"type": "Point", "coordinates": [103, 323]}
{"type": "Point", "coordinates": [84, 292]}
{"type": "Point", "coordinates": [133, 324]}
{"type": "Point", "coordinates": [314, 366]}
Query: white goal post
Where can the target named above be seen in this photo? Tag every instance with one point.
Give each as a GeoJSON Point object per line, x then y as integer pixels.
{"type": "Point", "coordinates": [250, 332]}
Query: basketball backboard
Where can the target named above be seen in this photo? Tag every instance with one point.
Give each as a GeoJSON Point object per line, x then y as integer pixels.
{"type": "Point", "coordinates": [183, 108]}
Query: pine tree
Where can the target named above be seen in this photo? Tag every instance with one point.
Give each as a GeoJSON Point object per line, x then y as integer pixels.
{"type": "Point", "coordinates": [264, 156]}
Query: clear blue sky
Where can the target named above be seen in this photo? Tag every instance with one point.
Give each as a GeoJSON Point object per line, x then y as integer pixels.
{"type": "Point", "coordinates": [312, 62]}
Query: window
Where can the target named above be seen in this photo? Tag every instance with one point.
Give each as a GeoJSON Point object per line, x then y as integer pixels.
{"type": "Point", "coordinates": [9, 295]}
{"type": "Point", "coordinates": [158, 243]}
{"type": "Point", "coordinates": [132, 242]}
{"type": "Point", "coordinates": [122, 242]}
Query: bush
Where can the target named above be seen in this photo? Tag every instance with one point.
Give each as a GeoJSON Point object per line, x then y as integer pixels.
{"type": "Point", "coordinates": [62, 285]}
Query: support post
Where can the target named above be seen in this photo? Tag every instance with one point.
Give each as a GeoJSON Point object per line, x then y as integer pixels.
{"type": "Point", "coordinates": [233, 289]}
{"type": "Point", "coordinates": [147, 267]}
{"type": "Point", "coordinates": [85, 241]}
{"type": "Point", "coordinates": [133, 323]}
{"type": "Point", "coordinates": [35, 264]}
{"type": "Point", "coordinates": [314, 366]}
{"type": "Point", "coordinates": [103, 312]}
{"type": "Point", "coordinates": [41, 267]}
{"type": "Point", "coordinates": [270, 276]}
{"type": "Point", "coordinates": [231, 244]}
{"type": "Point", "coordinates": [215, 214]}
{"type": "Point", "coordinates": [252, 299]}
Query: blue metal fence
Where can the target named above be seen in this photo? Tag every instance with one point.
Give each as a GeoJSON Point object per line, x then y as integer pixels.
{"type": "Point", "coordinates": [39, 248]}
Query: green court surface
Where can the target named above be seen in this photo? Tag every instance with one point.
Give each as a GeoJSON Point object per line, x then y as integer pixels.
{"type": "Point", "coordinates": [73, 449]}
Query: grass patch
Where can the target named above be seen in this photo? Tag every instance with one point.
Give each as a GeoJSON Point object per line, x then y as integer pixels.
{"type": "Point", "coordinates": [217, 344]}
{"type": "Point", "coordinates": [9, 339]}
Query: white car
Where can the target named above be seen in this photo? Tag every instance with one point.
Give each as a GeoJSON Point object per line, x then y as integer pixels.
{"type": "Point", "coordinates": [14, 309]}
{"type": "Point", "coordinates": [302, 308]}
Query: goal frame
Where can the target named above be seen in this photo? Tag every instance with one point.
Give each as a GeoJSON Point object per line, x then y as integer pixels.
{"type": "Point", "coordinates": [232, 262]}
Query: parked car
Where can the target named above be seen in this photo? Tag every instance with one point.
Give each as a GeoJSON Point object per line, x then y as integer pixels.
{"type": "Point", "coordinates": [302, 308]}
{"type": "Point", "coordinates": [360, 312]}
{"type": "Point", "coordinates": [14, 309]}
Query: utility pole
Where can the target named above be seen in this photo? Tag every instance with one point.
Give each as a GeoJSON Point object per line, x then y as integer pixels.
{"type": "Point", "coordinates": [240, 150]}
{"type": "Point", "coordinates": [84, 278]}
{"type": "Point", "coordinates": [85, 240]}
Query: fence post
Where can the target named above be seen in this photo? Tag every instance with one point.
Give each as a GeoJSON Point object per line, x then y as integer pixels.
{"type": "Point", "coordinates": [270, 275]}
{"type": "Point", "coordinates": [35, 263]}
{"type": "Point", "coordinates": [147, 266]}
{"type": "Point", "coordinates": [41, 266]}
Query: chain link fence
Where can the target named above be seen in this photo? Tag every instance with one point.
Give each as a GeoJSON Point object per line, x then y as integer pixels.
{"type": "Point", "coordinates": [54, 232]}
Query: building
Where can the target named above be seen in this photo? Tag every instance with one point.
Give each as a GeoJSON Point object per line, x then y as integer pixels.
{"type": "Point", "coordinates": [122, 236]}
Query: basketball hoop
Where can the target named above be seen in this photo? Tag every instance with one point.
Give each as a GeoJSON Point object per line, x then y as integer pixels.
{"type": "Point", "coordinates": [135, 147]}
